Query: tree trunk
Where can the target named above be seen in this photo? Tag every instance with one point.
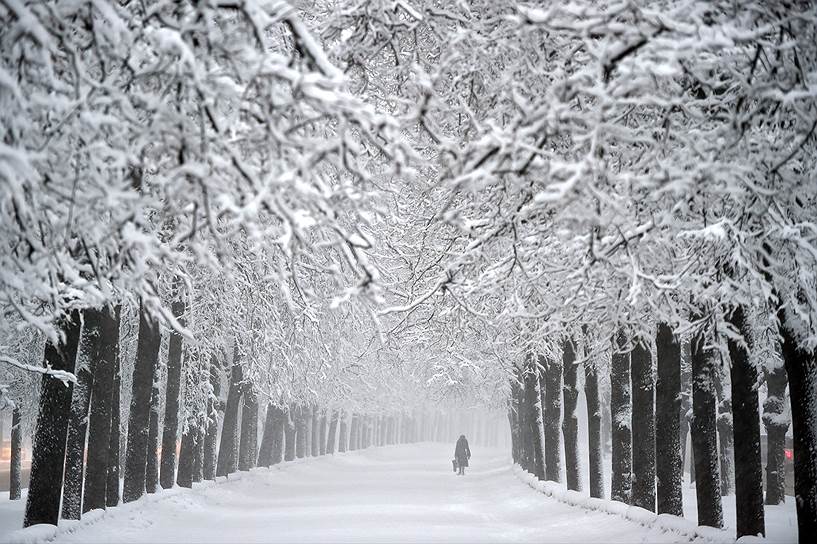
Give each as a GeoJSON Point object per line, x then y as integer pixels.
{"type": "Point", "coordinates": [533, 417]}
{"type": "Point", "coordinates": [278, 436]}
{"type": "Point", "coordinates": [596, 460]}
{"type": "Point", "coordinates": [78, 419]}
{"type": "Point", "coordinates": [643, 427]}
{"type": "Point", "coordinates": [322, 434]}
{"type": "Point", "coordinates": [152, 468]}
{"type": "Point", "coordinates": [302, 415]}
{"type": "Point", "coordinates": [198, 453]}
{"type": "Point", "coordinates": [170, 428]}
{"type": "Point", "coordinates": [228, 448]}
{"type": "Point", "coordinates": [265, 451]}
{"type": "Point", "coordinates": [776, 423]}
{"type": "Point", "coordinates": [570, 423]}
{"type": "Point", "coordinates": [104, 369]}
{"type": "Point", "coordinates": [185, 475]}
{"type": "Point", "coordinates": [669, 465]}
{"type": "Point", "coordinates": [704, 434]}
{"type": "Point", "coordinates": [289, 431]}
{"type": "Point", "coordinates": [342, 438]}
{"type": "Point", "coordinates": [621, 417]}
{"type": "Point", "coordinates": [136, 451]}
{"type": "Point", "coordinates": [15, 480]}
{"type": "Point", "coordinates": [248, 451]}
{"type": "Point", "coordinates": [112, 483]}
{"type": "Point", "coordinates": [552, 414]}
{"type": "Point", "coordinates": [48, 453]}
{"type": "Point", "coordinates": [726, 450]}
{"type": "Point", "coordinates": [313, 440]}
{"type": "Point", "coordinates": [801, 370]}
{"type": "Point", "coordinates": [333, 429]}
{"type": "Point", "coordinates": [526, 448]}
{"type": "Point", "coordinates": [748, 463]}
{"type": "Point", "coordinates": [685, 417]}
{"type": "Point", "coordinates": [213, 407]}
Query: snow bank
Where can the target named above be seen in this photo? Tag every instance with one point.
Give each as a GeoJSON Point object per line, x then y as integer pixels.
{"type": "Point", "coordinates": [664, 523]}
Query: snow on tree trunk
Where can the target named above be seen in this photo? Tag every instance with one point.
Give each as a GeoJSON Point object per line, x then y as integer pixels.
{"type": "Point", "coordinates": [136, 450]}
{"type": "Point", "coordinates": [248, 450]}
{"type": "Point", "coordinates": [704, 433]}
{"type": "Point", "coordinates": [228, 447]}
{"type": "Point", "coordinates": [15, 462]}
{"type": "Point", "coordinates": [777, 423]}
{"type": "Point", "coordinates": [643, 427]}
{"type": "Point", "coordinates": [311, 434]}
{"type": "Point", "coordinates": [525, 435]}
{"type": "Point", "coordinates": [669, 467]}
{"type": "Point", "coordinates": [211, 438]}
{"type": "Point", "coordinates": [621, 418]}
{"type": "Point", "coordinates": [103, 368]}
{"type": "Point", "coordinates": [78, 419]}
{"type": "Point", "coordinates": [48, 452]}
{"type": "Point", "coordinates": [342, 436]}
{"type": "Point", "coordinates": [302, 416]}
{"type": "Point", "coordinates": [184, 477]}
{"type": "Point", "coordinates": [112, 483]}
{"type": "Point", "coordinates": [198, 452]}
{"type": "Point", "coordinates": [595, 458]}
{"type": "Point", "coordinates": [551, 398]}
{"type": "Point", "coordinates": [289, 433]}
{"type": "Point", "coordinates": [322, 434]}
{"type": "Point", "coordinates": [726, 451]}
{"type": "Point", "coordinates": [685, 417]}
{"type": "Point", "coordinates": [170, 426]}
{"type": "Point", "coordinates": [570, 423]}
{"type": "Point", "coordinates": [533, 418]}
{"type": "Point", "coordinates": [746, 425]}
{"type": "Point", "coordinates": [333, 429]}
{"type": "Point", "coordinates": [801, 370]}
{"type": "Point", "coordinates": [152, 468]}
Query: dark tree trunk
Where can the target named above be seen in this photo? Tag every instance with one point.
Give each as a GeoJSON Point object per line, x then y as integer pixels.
{"type": "Point", "coordinates": [210, 454]}
{"type": "Point", "coordinates": [621, 414]}
{"type": "Point", "coordinates": [342, 444]}
{"type": "Point", "coordinates": [103, 368]}
{"type": "Point", "coordinates": [48, 453]}
{"type": "Point", "coordinates": [643, 430]}
{"type": "Point", "coordinates": [353, 424]}
{"type": "Point", "coordinates": [112, 483]}
{"type": "Point", "coordinates": [78, 420]}
{"type": "Point", "coordinates": [596, 461]}
{"type": "Point", "coordinates": [152, 468]}
{"type": "Point", "coordinates": [669, 465]}
{"type": "Point", "coordinates": [265, 450]}
{"type": "Point", "coordinates": [15, 480]}
{"type": "Point", "coordinates": [278, 436]}
{"type": "Point", "coordinates": [801, 369]}
{"type": "Point", "coordinates": [748, 464]}
{"type": "Point", "coordinates": [533, 418]}
{"type": "Point", "coordinates": [776, 423]}
{"type": "Point", "coordinates": [526, 448]}
{"type": "Point", "coordinates": [228, 449]}
{"type": "Point", "coordinates": [704, 434]}
{"type": "Point", "coordinates": [333, 429]}
{"type": "Point", "coordinates": [198, 453]}
{"type": "Point", "coordinates": [289, 432]}
{"type": "Point", "coordinates": [248, 451]}
{"type": "Point", "coordinates": [322, 434]}
{"type": "Point", "coordinates": [551, 400]}
{"type": "Point", "coordinates": [136, 451]}
{"type": "Point", "coordinates": [570, 423]}
{"type": "Point", "coordinates": [170, 428]}
{"type": "Point", "coordinates": [185, 475]}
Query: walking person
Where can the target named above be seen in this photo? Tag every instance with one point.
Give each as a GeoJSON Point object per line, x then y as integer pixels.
{"type": "Point", "coordinates": [462, 453]}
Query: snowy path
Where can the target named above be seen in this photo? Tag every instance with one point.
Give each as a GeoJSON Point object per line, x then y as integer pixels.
{"type": "Point", "coordinates": [392, 494]}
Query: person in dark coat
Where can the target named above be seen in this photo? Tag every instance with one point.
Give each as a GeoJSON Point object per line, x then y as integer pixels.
{"type": "Point", "coordinates": [462, 453]}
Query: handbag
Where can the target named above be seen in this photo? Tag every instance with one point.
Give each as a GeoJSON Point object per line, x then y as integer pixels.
{"type": "Point", "coordinates": [454, 462]}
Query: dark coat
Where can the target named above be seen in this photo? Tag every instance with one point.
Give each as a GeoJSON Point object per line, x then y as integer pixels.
{"type": "Point", "coordinates": [462, 452]}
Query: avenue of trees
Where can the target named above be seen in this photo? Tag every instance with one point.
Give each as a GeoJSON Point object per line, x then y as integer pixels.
{"type": "Point", "coordinates": [319, 220]}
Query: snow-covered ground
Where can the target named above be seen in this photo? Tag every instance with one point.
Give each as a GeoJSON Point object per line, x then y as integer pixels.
{"type": "Point", "coordinates": [392, 494]}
